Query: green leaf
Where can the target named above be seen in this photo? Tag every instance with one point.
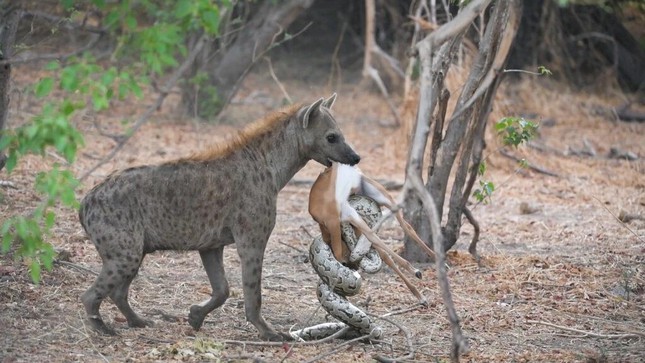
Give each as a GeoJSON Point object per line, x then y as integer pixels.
{"type": "Point", "coordinates": [50, 218]}
{"type": "Point", "coordinates": [130, 22]}
{"type": "Point", "coordinates": [210, 19]}
{"type": "Point", "coordinates": [99, 3]}
{"type": "Point", "coordinates": [67, 4]}
{"type": "Point", "coordinates": [34, 271]}
{"type": "Point", "coordinates": [69, 78]}
{"type": "Point", "coordinates": [7, 236]}
{"type": "Point", "coordinates": [44, 87]}
{"type": "Point", "coordinates": [112, 18]}
{"type": "Point", "coordinates": [482, 168]}
{"type": "Point", "coordinates": [183, 8]}
{"type": "Point", "coordinates": [52, 66]}
{"type": "Point", "coordinates": [12, 160]}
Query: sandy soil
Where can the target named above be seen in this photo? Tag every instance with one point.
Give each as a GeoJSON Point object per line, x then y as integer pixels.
{"type": "Point", "coordinates": [562, 283]}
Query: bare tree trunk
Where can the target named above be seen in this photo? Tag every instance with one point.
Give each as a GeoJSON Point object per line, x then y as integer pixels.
{"type": "Point", "coordinates": [464, 130]}
{"type": "Point", "coordinates": [225, 70]}
{"type": "Point", "coordinates": [9, 20]}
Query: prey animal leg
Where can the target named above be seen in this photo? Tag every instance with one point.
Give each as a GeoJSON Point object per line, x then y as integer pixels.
{"type": "Point", "coordinates": [376, 191]}
{"type": "Point", "coordinates": [388, 261]}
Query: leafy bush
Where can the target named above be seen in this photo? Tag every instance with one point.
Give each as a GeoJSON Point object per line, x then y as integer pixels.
{"type": "Point", "coordinates": [513, 132]}
{"type": "Point", "coordinates": [144, 49]}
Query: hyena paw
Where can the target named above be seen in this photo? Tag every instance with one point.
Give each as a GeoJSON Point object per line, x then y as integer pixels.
{"type": "Point", "coordinates": [196, 317]}
{"type": "Point", "coordinates": [97, 324]}
{"type": "Point", "coordinates": [140, 323]}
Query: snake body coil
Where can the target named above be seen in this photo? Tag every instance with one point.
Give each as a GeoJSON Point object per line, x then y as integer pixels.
{"type": "Point", "coordinates": [339, 281]}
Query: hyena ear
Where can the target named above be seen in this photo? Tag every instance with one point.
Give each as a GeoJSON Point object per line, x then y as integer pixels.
{"type": "Point", "coordinates": [330, 101]}
{"type": "Point", "coordinates": [306, 112]}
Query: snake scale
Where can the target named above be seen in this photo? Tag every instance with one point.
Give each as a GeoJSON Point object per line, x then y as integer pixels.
{"type": "Point", "coordinates": [338, 281]}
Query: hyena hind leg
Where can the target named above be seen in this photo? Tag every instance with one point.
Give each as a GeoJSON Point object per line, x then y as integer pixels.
{"type": "Point", "coordinates": [94, 296]}
{"type": "Point", "coordinates": [119, 296]}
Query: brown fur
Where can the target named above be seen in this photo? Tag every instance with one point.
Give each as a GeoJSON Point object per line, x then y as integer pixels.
{"type": "Point", "coordinates": [244, 136]}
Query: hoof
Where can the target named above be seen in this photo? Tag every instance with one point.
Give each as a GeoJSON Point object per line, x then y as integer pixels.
{"type": "Point", "coordinates": [418, 274]}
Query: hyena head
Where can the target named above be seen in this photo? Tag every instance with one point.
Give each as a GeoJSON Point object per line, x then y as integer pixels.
{"type": "Point", "coordinates": [323, 140]}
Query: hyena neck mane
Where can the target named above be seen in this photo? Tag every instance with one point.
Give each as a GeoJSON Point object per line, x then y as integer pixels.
{"type": "Point", "coordinates": [272, 138]}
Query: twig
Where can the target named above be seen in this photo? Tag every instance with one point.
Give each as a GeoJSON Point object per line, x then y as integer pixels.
{"type": "Point", "coordinates": [307, 232]}
{"type": "Point", "coordinates": [472, 249]}
{"type": "Point", "coordinates": [373, 73]}
{"type": "Point", "coordinates": [529, 165]}
{"type": "Point", "coordinates": [155, 340]}
{"type": "Point", "coordinates": [337, 334]}
{"type": "Point", "coordinates": [277, 81]}
{"type": "Point", "coordinates": [146, 115]}
{"type": "Point", "coordinates": [402, 311]}
{"type": "Point", "coordinates": [590, 334]}
{"type": "Point", "coordinates": [295, 248]}
{"type": "Point", "coordinates": [408, 339]}
{"type": "Point", "coordinates": [618, 219]}
{"type": "Point", "coordinates": [87, 336]}
{"type": "Point", "coordinates": [337, 349]}
{"type": "Point", "coordinates": [66, 22]}
{"type": "Point", "coordinates": [335, 63]}
{"type": "Point", "coordinates": [521, 71]}
{"type": "Point", "coordinates": [79, 267]}
{"type": "Point", "coordinates": [60, 57]}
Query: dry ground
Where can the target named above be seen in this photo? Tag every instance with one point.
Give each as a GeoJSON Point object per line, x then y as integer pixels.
{"type": "Point", "coordinates": [569, 262]}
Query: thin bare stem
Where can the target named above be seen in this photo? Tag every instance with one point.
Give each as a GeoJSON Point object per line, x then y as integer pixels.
{"type": "Point", "coordinates": [146, 115]}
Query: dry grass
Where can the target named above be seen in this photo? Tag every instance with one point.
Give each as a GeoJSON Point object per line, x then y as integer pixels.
{"type": "Point", "coordinates": [570, 263]}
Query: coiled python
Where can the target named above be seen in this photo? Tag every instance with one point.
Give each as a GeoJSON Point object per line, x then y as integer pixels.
{"type": "Point", "coordinates": [338, 281]}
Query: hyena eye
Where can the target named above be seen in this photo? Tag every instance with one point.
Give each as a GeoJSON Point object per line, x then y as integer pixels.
{"type": "Point", "coordinates": [332, 138]}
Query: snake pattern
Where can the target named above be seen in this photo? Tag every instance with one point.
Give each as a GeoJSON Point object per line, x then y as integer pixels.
{"type": "Point", "coordinates": [338, 281]}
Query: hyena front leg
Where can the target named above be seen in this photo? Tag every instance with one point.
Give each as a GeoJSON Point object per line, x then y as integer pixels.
{"type": "Point", "coordinates": [213, 261]}
{"type": "Point", "coordinates": [250, 247]}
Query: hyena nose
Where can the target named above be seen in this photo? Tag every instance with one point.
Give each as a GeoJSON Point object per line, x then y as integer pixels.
{"type": "Point", "coordinates": [354, 159]}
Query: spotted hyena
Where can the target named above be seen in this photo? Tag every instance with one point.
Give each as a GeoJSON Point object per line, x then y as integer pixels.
{"type": "Point", "coordinates": [222, 196]}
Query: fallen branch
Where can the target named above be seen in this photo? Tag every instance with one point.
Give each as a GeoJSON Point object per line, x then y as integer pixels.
{"type": "Point", "coordinates": [632, 335]}
{"type": "Point", "coordinates": [529, 165]}
{"type": "Point", "coordinates": [618, 219]}
{"type": "Point", "coordinates": [73, 265]}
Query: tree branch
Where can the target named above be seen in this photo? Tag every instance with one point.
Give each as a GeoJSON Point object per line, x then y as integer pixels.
{"type": "Point", "coordinates": [146, 115]}
{"type": "Point", "coordinates": [456, 26]}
